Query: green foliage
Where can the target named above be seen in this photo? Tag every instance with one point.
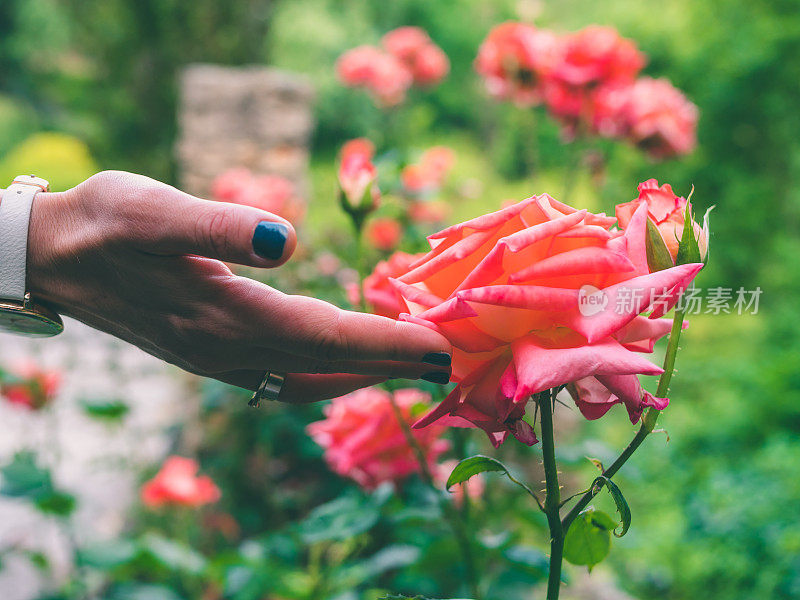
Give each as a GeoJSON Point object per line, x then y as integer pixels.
{"type": "Point", "coordinates": [688, 249]}
{"type": "Point", "coordinates": [619, 500]}
{"type": "Point", "coordinates": [588, 540]}
{"type": "Point", "coordinates": [472, 466]}
{"type": "Point", "coordinates": [658, 256]}
{"type": "Point", "coordinates": [340, 519]}
{"type": "Point", "coordinates": [480, 464]}
{"type": "Point", "coordinates": [23, 478]}
{"type": "Point", "coordinates": [107, 555]}
{"type": "Point", "coordinates": [106, 410]}
{"type": "Point", "coordinates": [142, 591]}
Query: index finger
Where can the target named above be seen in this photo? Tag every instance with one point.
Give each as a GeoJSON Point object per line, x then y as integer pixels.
{"type": "Point", "coordinates": [318, 329]}
{"type": "Point", "coordinates": [330, 333]}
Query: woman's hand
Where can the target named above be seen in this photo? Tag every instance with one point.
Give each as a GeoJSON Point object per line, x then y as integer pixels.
{"type": "Point", "coordinates": [141, 260]}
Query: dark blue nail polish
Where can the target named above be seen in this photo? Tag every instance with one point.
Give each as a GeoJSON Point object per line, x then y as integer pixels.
{"type": "Point", "coordinates": [437, 377]}
{"type": "Point", "coordinates": [440, 359]}
{"type": "Point", "coordinates": [269, 239]}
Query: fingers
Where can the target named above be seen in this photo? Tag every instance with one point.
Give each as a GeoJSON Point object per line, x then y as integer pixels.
{"type": "Point", "coordinates": [301, 388]}
{"type": "Point", "coordinates": [221, 230]}
{"type": "Point", "coordinates": [435, 369]}
{"type": "Point", "coordinates": [317, 329]}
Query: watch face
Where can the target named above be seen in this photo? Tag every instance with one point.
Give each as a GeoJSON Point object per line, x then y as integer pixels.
{"type": "Point", "coordinates": [38, 322]}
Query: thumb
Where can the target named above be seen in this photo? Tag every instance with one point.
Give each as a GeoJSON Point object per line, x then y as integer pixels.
{"type": "Point", "coordinates": [230, 232]}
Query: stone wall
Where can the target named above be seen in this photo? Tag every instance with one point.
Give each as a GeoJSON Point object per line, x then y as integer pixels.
{"type": "Point", "coordinates": [255, 117]}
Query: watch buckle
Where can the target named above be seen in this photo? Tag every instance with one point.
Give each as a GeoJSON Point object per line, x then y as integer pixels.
{"type": "Point", "coordinates": [42, 184]}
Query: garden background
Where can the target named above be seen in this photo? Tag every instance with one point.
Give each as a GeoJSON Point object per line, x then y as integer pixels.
{"type": "Point", "coordinates": [715, 508]}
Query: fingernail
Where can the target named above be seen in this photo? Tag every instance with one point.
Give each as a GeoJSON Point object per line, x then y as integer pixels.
{"type": "Point", "coordinates": [440, 359]}
{"type": "Point", "coordinates": [437, 377]}
{"type": "Point", "coordinates": [269, 239]}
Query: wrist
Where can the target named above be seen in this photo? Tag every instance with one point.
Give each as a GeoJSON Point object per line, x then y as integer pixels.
{"type": "Point", "coordinates": [20, 313]}
{"type": "Point", "coordinates": [50, 236]}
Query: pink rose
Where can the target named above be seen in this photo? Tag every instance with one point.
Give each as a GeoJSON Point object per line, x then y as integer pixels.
{"type": "Point", "coordinates": [508, 290]}
{"type": "Point", "coordinates": [363, 440]}
{"type": "Point", "coordinates": [405, 42]}
{"type": "Point", "coordinates": [356, 66]}
{"type": "Point", "coordinates": [651, 113]}
{"type": "Point", "coordinates": [390, 81]}
{"type": "Point", "coordinates": [230, 185]}
{"type": "Point", "coordinates": [428, 212]}
{"type": "Point", "coordinates": [515, 59]}
{"type": "Point", "coordinates": [272, 193]}
{"type": "Point", "coordinates": [662, 121]}
{"type": "Point", "coordinates": [567, 103]}
{"type": "Point", "coordinates": [610, 114]}
{"type": "Point", "coordinates": [384, 233]}
{"type": "Point", "coordinates": [429, 174]}
{"type": "Point", "coordinates": [358, 178]}
{"type": "Point", "coordinates": [383, 75]}
{"type": "Point", "coordinates": [30, 386]}
{"type": "Point", "coordinates": [597, 54]}
{"type": "Point", "coordinates": [439, 160]}
{"type": "Point", "coordinates": [591, 59]}
{"type": "Point", "coordinates": [430, 66]}
{"type": "Point", "coordinates": [413, 47]}
{"type": "Point", "coordinates": [178, 484]}
{"type": "Point", "coordinates": [361, 146]}
{"type": "Point", "coordinates": [416, 180]}
{"type": "Point", "coordinates": [667, 212]}
{"type": "Point", "coordinates": [380, 294]}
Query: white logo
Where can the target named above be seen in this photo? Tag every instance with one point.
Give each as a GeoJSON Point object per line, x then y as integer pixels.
{"type": "Point", "coordinates": [591, 300]}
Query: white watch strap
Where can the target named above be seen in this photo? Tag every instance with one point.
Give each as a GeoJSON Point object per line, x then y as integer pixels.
{"type": "Point", "coordinates": [15, 214]}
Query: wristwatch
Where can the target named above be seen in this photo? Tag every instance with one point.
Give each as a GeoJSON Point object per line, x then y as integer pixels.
{"type": "Point", "coordinates": [18, 312]}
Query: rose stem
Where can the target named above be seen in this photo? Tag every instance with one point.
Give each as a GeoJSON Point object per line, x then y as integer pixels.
{"type": "Point", "coordinates": [452, 515]}
{"type": "Point", "coordinates": [648, 423]}
{"type": "Point", "coordinates": [575, 153]}
{"type": "Point", "coordinates": [361, 268]}
{"type": "Point", "coordinates": [553, 493]}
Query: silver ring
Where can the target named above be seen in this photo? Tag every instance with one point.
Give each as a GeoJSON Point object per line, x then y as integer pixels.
{"type": "Point", "coordinates": [269, 389]}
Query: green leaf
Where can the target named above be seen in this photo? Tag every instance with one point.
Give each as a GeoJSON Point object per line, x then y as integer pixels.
{"type": "Point", "coordinates": [105, 410]}
{"type": "Point", "coordinates": [173, 555]}
{"type": "Point", "coordinates": [387, 559]}
{"type": "Point", "coordinates": [588, 539]}
{"type": "Point", "coordinates": [622, 506]}
{"type": "Point", "coordinates": [688, 249]}
{"type": "Point", "coordinates": [56, 503]}
{"type": "Point", "coordinates": [107, 555]}
{"type": "Point", "coordinates": [23, 478]}
{"type": "Point", "coordinates": [402, 597]}
{"type": "Point", "coordinates": [472, 466]}
{"type": "Point", "coordinates": [480, 464]}
{"type": "Point", "coordinates": [339, 519]}
{"type": "Point", "coordinates": [142, 591]}
{"type": "Point", "coordinates": [658, 256]}
{"type": "Point", "coordinates": [39, 560]}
